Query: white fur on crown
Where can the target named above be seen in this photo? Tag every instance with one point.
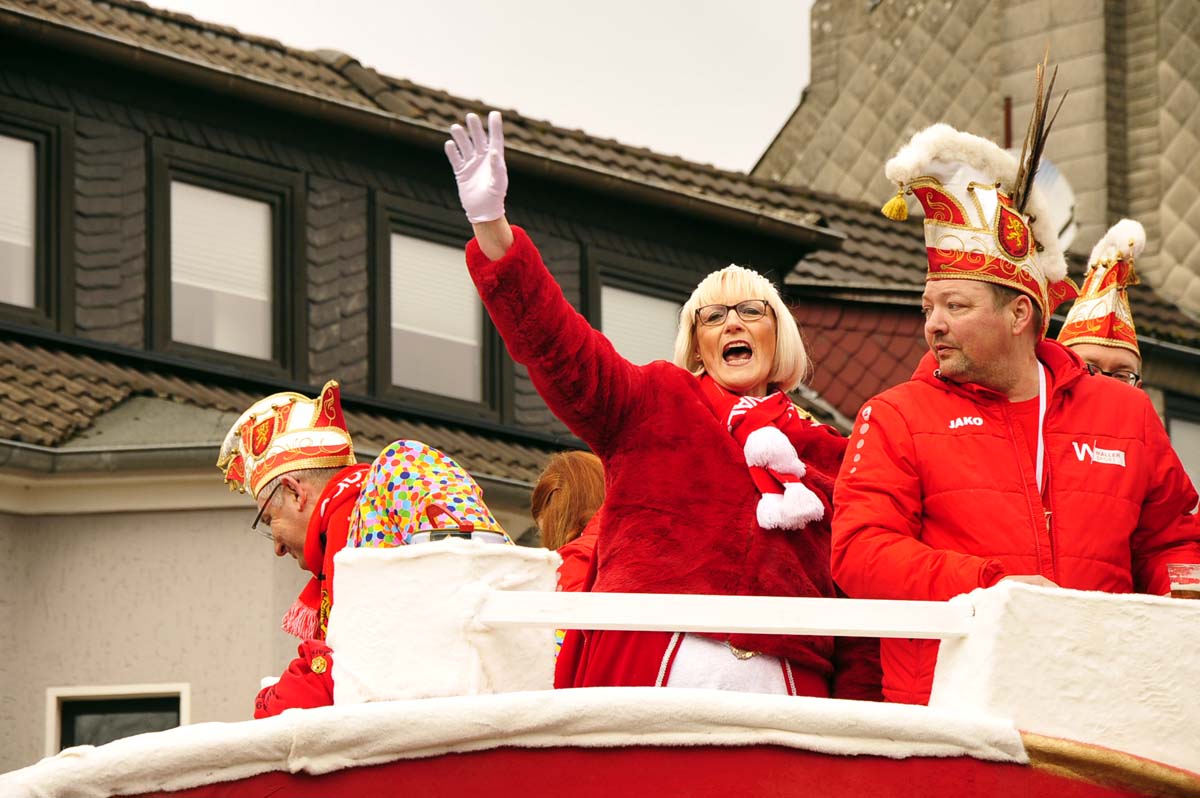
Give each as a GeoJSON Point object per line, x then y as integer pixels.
{"type": "Point", "coordinates": [1051, 259]}
{"type": "Point", "coordinates": [940, 151]}
{"type": "Point", "coordinates": [951, 148]}
{"type": "Point", "coordinates": [795, 508]}
{"type": "Point", "coordinates": [768, 447]}
{"type": "Point", "coordinates": [1124, 240]}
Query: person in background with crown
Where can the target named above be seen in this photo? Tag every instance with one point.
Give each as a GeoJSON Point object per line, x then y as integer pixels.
{"type": "Point", "coordinates": [1002, 457]}
{"type": "Point", "coordinates": [296, 457]}
{"type": "Point", "coordinates": [1099, 327]}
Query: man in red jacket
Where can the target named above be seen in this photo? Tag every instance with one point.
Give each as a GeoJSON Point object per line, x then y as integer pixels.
{"type": "Point", "coordinates": [1002, 457]}
{"type": "Point", "coordinates": [297, 459]}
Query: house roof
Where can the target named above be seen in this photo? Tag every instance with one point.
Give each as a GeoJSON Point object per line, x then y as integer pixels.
{"type": "Point", "coordinates": [859, 350]}
{"type": "Point", "coordinates": [136, 28]}
{"type": "Point", "coordinates": [876, 254]}
{"type": "Point", "coordinates": [50, 395]}
{"type": "Point", "coordinates": [877, 258]}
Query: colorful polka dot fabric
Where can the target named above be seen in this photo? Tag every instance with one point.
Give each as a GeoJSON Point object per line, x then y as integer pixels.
{"type": "Point", "coordinates": [414, 488]}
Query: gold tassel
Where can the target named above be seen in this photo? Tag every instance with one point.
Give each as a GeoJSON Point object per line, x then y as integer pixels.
{"type": "Point", "coordinates": [896, 208]}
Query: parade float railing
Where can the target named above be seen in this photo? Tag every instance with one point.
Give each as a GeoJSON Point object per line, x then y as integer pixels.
{"type": "Point", "coordinates": [767, 615]}
{"type": "Point", "coordinates": [1097, 683]}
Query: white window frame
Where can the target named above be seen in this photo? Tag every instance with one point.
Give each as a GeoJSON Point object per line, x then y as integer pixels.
{"type": "Point", "coordinates": [285, 191]}
{"type": "Point", "coordinates": [55, 697]}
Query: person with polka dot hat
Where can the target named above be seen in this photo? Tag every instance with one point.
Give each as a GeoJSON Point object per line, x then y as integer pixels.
{"type": "Point", "coordinates": [416, 494]}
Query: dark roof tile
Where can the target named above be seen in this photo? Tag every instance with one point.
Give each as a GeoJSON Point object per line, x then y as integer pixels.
{"type": "Point", "coordinates": [47, 396]}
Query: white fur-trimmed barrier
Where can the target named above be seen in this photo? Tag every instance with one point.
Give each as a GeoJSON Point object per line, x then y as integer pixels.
{"type": "Point", "coordinates": [770, 615]}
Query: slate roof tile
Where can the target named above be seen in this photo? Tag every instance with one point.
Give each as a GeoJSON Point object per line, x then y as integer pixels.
{"type": "Point", "coordinates": [47, 396]}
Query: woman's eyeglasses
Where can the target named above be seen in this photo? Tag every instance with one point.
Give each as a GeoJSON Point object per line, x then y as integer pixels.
{"type": "Point", "coordinates": [747, 310]}
{"type": "Point", "coordinates": [1129, 377]}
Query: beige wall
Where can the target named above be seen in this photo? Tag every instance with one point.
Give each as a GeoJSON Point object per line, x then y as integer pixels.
{"type": "Point", "coordinates": [114, 599]}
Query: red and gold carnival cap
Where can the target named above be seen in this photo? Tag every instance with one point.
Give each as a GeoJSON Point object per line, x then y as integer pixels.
{"type": "Point", "coordinates": [286, 432]}
{"type": "Point", "coordinates": [1101, 315]}
{"type": "Point", "coordinates": [973, 229]}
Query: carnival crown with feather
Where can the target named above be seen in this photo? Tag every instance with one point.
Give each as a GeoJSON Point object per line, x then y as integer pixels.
{"type": "Point", "coordinates": [984, 220]}
{"type": "Point", "coordinates": [285, 432]}
{"type": "Point", "coordinates": [1101, 315]}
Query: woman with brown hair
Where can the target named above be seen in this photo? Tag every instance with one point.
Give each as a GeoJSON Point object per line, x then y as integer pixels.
{"type": "Point", "coordinates": [564, 505]}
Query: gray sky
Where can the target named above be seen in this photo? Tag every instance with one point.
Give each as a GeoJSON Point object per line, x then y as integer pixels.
{"type": "Point", "coordinates": [711, 80]}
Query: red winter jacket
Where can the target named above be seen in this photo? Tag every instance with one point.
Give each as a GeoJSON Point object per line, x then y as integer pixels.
{"type": "Point", "coordinates": [307, 683]}
{"type": "Point", "coordinates": [302, 685]}
{"type": "Point", "coordinates": [938, 496]}
{"type": "Point", "coordinates": [680, 507]}
{"type": "Point", "coordinates": [577, 556]}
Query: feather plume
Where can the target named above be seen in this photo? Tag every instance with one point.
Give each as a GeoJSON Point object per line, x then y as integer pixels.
{"type": "Point", "coordinates": [1037, 133]}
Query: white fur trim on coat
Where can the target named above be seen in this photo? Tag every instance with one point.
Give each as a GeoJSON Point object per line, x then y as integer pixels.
{"type": "Point", "coordinates": [768, 447]}
{"type": "Point", "coordinates": [795, 508]}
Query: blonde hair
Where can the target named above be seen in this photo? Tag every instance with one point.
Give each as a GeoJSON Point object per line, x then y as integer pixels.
{"type": "Point", "coordinates": [791, 366]}
{"type": "Point", "coordinates": [567, 495]}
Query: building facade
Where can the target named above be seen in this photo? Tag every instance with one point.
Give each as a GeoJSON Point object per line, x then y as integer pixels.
{"type": "Point", "coordinates": [194, 218]}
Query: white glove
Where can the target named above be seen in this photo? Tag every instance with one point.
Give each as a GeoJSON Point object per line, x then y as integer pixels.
{"type": "Point", "coordinates": [478, 161]}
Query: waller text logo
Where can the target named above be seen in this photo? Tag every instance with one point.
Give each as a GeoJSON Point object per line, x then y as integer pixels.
{"type": "Point", "coordinates": [1098, 455]}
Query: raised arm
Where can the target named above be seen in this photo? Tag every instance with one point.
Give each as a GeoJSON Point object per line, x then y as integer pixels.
{"type": "Point", "coordinates": [574, 368]}
{"type": "Point", "coordinates": [877, 517]}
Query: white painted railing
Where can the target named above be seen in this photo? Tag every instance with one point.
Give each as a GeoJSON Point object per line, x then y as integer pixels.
{"type": "Point", "coordinates": [772, 615]}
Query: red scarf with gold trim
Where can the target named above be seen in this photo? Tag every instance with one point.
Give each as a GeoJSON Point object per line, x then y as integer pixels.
{"type": "Point", "coordinates": [327, 529]}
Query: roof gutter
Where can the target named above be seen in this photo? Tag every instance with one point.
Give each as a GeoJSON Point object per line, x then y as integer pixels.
{"type": "Point", "coordinates": [93, 460]}
{"type": "Point", "coordinates": [412, 131]}
{"type": "Point", "coordinates": [18, 456]}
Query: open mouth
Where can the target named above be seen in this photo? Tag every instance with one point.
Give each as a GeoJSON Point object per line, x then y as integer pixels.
{"type": "Point", "coordinates": [737, 353]}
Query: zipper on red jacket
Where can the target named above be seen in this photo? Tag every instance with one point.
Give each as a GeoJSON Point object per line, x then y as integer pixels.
{"type": "Point", "coordinates": [1048, 506]}
{"type": "Point", "coordinates": [1049, 512]}
{"type": "Point", "coordinates": [1018, 444]}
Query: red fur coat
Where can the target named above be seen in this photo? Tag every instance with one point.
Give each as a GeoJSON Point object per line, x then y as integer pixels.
{"type": "Point", "coordinates": [679, 512]}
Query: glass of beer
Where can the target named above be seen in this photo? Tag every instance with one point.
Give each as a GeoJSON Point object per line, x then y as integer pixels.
{"type": "Point", "coordinates": [1185, 580]}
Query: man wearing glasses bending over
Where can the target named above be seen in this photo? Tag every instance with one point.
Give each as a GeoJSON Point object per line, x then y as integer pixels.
{"type": "Point", "coordinates": [296, 457]}
{"type": "Point", "coordinates": [1099, 327]}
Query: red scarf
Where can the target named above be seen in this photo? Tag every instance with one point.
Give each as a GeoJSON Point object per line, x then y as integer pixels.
{"type": "Point", "coordinates": [326, 536]}
{"type": "Point", "coordinates": [771, 432]}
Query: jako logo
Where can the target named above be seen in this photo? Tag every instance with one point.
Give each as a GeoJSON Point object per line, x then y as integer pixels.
{"type": "Point", "coordinates": [1098, 455]}
{"type": "Point", "coordinates": [966, 421]}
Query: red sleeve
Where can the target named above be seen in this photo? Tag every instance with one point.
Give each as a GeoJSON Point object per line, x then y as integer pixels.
{"type": "Point", "coordinates": [877, 519]}
{"type": "Point", "coordinates": [1168, 528]}
{"type": "Point", "coordinates": [573, 367]}
{"type": "Point", "coordinates": [307, 683]}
